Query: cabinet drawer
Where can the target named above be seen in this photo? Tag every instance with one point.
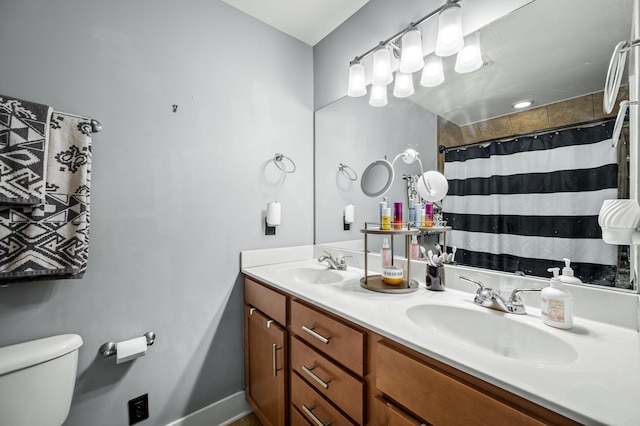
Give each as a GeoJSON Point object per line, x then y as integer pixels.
{"type": "Point", "coordinates": [339, 386]}
{"type": "Point", "coordinates": [268, 301]}
{"type": "Point", "coordinates": [313, 407]}
{"type": "Point", "coordinates": [439, 398]}
{"type": "Point", "coordinates": [390, 415]}
{"type": "Point", "coordinates": [297, 419]}
{"type": "Point", "coordinates": [338, 340]}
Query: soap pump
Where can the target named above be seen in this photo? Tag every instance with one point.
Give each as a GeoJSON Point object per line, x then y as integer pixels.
{"type": "Point", "coordinates": [567, 276]}
{"type": "Point", "coordinates": [556, 303]}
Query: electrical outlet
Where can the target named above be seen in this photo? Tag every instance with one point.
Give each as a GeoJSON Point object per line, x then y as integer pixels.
{"type": "Point", "coordinates": [139, 409]}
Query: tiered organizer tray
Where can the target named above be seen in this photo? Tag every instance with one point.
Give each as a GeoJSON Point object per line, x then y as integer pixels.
{"type": "Point", "coordinates": [374, 282]}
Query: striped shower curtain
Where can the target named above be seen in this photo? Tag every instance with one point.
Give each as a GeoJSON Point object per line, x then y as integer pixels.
{"type": "Point", "coordinates": [525, 204]}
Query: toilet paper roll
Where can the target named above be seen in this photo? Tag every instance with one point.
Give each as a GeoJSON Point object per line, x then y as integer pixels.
{"type": "Point", "coordinates": [130, 349]}
{"type": "Point", "coordinates": [273, 213]}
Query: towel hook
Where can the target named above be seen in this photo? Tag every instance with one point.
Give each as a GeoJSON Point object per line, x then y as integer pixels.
{"type": "Point", "coordinates": [347, 171]}
{"type": "Point", "coordinates": [278, 161]}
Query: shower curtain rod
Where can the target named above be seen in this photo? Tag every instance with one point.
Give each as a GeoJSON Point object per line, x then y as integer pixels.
{"type": "Point", "coordinates": [583, 124]}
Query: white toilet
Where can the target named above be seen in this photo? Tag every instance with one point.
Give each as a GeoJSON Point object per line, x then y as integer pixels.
{"type": "Point", "coordinates": [37, 380]}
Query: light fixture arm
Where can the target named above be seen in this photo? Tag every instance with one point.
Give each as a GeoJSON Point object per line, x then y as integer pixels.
{"type": "Point", "coordinates": [401, 32]}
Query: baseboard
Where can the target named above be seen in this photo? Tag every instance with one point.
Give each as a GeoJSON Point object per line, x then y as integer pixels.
{"type": "Point", "coordinates": [220, 413]}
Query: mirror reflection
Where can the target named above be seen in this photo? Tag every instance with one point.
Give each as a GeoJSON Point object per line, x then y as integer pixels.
{"type": "Point", "coordinates": [351, 131]}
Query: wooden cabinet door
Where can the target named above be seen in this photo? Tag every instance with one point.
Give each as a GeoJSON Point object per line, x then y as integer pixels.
{"type": "Point", "coordinates": [266, 367]}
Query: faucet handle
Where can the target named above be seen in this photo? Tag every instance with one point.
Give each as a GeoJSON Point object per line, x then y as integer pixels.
{"type": "Point", "coordinates": [481, 286]}
{"type": "Point", "coordinates": [515, 299]}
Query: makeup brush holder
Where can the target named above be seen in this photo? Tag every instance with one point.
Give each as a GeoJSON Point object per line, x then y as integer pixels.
{"type": "Point", "coordinates": [435, 278]}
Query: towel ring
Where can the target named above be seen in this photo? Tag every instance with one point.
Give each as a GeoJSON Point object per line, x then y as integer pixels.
{"type": "Point", "coordinates": [278, 160]}
{"type": "Point", "coordinates": [347, 172]}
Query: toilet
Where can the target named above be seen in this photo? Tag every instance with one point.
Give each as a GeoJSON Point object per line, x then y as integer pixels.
{"type": "Point", "coordinates": [37, 380]}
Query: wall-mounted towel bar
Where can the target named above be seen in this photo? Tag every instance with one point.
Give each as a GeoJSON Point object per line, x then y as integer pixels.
{"type": "Point", "coordinates": [109, 349]}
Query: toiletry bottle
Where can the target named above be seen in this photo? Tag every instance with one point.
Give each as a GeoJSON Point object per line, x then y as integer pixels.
{"type": "Point", "coordinates": [386, 219]}
{"type": "Point", "coordinates": [418, 208]}
{"type": "Point", "coordinates": [415, 248]}
{"type": "Point", "coordinates": [397, 215]}
{"type": "Point", "coordinates": [428, 207]}
{"type": "Point", "coordinates": [382, 205]}
{"type": "Point", "coordinates": [412, 213]}
{"type": "Point", "coordinates": [423, 216]}
{"type": "Point", "coordinates": [556, 303]}
{"type": "Point", "coordinates": [385, 253]}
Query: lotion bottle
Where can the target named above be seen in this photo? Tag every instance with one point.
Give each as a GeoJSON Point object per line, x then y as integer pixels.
{"type": "Point", "coordinates": [556, 303]}
{"type": "Point", "coordinates": [415, 248]}
{"type": "Point", "coordinates": [385, 253]}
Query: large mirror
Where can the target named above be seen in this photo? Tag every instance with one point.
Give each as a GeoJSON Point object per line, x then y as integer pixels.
{"type": "Point", "coordinates": [547, 51]}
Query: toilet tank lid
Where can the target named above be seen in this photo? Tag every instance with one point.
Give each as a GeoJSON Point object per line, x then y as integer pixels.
{"type": "Point", "coordinates": [27, 354]}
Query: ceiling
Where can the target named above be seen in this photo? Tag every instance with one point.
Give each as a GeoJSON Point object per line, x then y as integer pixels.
{"type": "Point", "coordinates": [308, 20]}
{"type": "Point", "coordinates": [546, 51]}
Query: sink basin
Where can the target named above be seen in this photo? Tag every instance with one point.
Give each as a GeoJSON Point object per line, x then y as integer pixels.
{"type": "Point", "coordinates": [319, 274]}
{"type": "Point", "coordinates": [494, 332]}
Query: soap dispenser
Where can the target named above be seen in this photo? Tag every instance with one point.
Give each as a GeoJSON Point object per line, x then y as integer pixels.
{"type": "Point", "coordinates": [567, 276]}
{"type": "Point", "coordinates": [556, 303]}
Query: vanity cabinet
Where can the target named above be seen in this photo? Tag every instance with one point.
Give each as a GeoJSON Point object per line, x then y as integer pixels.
{"type": "Point", "coordinates": [266, 351]}
{"type": "Point", "coordinates": [340, 373]}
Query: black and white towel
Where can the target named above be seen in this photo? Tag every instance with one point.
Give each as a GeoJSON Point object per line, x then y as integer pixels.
{"type": "Point", "coordinates": [24, 130]}
{"type": "Point", "coordinates": [51, 240]}
{"type": "Point", "coordinates": [526, 204]}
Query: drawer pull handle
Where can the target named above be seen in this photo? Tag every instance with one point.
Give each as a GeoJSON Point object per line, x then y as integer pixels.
{"type": "Point", "coordinates": [313, 375]}
{"type": "Point", "coordinates": [323, 339]}
{"type": "Point", "coordinates": [275, 360]}
{"type": "Point", "coordinates": [315, 418]}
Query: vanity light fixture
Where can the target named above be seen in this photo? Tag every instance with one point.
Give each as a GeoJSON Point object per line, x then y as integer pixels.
{"type": "Point", "coordinates": [357, 82]}
{"type": "Point", "coordinates": [469, 59]}
{"type": "Point", "coordinates": [432, 73]}
{"type": "Point", "coordinates": [411, 58]}
{"type": "Point", "coordinates": [407, 46]}
{"type": "Point", "coordinates": [450, 39]}
{"type": "Point", "coordinates": [378, 96]}
{"type": "Point", "coordinates": [403, 87]}
{"type": "Point", "coordinates": [382, 74]}
{"type": "Point", "coordinates": [525, 103]}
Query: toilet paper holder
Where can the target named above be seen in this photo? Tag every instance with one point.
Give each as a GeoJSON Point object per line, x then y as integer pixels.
{"type": "Point", "coordinates": [109, 349]}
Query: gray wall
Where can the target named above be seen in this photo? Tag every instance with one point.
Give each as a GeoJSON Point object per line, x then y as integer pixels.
{"type": "Point", "coordinates": [352, 132]}
{"type": "Point", "coordinates": [375, 21]}
{"type": "Point", "coordinates": [175, 197]}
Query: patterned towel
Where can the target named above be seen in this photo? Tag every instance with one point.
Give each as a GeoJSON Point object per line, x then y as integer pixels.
{"type": "Point", "coordinates": [24, 130]}
{"type": "Point", "coordinates": [51, 241]}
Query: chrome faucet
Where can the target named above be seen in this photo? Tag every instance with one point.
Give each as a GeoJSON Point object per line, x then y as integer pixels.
{"type": "Point", "coordinates": [334, 263]}
{"type": "Point", "coordinates": [492, 299]}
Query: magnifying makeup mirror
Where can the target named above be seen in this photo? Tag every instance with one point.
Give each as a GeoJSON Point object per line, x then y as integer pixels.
{"type": "Point", "coordinates": [377, 178]}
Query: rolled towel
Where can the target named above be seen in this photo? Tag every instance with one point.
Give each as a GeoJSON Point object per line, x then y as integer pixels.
{"type": "Point", "coordinates": [24, 134]}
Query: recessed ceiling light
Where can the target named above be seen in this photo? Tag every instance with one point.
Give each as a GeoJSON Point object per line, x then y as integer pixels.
{"type": "Point", "coordinates": [522, 104]}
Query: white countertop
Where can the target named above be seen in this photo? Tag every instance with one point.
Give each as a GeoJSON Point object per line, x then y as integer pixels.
{"type": "Point", "coordinates": [601, 386]}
